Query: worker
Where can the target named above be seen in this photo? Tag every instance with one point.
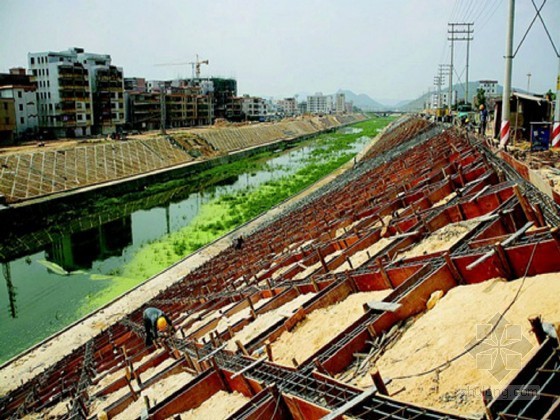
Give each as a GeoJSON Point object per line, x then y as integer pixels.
{"type": "Point", "coordinates": [483, 119]}
{"type": "Point", "coordinates": [155, 321]}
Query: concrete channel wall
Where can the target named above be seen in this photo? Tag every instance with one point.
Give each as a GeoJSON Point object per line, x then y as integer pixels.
{"type": "Point", "coordinates": [30, 175]}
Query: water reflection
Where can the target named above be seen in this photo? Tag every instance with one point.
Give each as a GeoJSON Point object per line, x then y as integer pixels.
{"type": "Point", "coordinates": [58, 268]}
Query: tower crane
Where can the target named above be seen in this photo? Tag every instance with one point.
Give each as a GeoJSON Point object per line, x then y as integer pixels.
{"type": "Point", "coordinates": [195, 65]}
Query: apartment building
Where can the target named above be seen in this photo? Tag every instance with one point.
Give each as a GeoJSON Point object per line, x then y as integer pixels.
{"type": "Point", "coordinates": [288, 106]}
{"type": "Point", "coordinates": [17, 85]}
{"type": "Point", "coordinates": [319, 104]}
{"type": "Point", "coordinates": [490, 87]}
{"type": "Point", "coordinates": [78, 93]}
{"type": "Point", "coordinates": [254, 108]}
{"type": "Point", "coordinates": [185, 106]}
{"type": "Point", "coordinates": [7, 121]}
{"type": "Point", "coordinates": [340, 103]}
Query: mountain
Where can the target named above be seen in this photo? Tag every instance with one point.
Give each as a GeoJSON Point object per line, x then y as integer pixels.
{"type": "Point", "coordinates": [418, 104]}
{"type": "Point", "coordinates": [363, 101]}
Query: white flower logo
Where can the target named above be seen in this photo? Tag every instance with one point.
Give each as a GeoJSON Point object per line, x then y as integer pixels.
{"type": "Point", "coordinates": [502, 350]}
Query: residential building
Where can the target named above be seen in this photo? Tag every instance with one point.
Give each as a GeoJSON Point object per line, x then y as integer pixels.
{"type": "Point", "coordinates": [254, 108]}
{"type": "Point", "coordinates": [288, 106]}
{"type": "Point", "coordinates": [78, 93]}
{"type": "Point", "coordinates": [340, 103]}
{"type": "Point", "coordinates": [136, 84]}
{"type": "Point", "coordinates": [17, 85]}
{"type": "Point", "coordinates": [490, 87]}
{"type": "Point", "coordinates": [234, 109]}
{"type": "Point", "coordinates": [319, 103]}
{"type": "Point", "coordinates": [185, 106]}
{"type": "Point", "coordinates": [223, 93]}
{"type": "Point", "coordinates": [302, 107]}
{"type": "Point", "coordinates": [7, 120]}
{"type": "Point", "coordinates": [349, 107]}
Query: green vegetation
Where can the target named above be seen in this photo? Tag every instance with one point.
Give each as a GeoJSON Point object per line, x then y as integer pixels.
{"type": "Point", "coordinates": [224, 214]}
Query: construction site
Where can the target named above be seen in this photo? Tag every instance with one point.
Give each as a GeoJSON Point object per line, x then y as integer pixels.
{"type": "Point", "coordinates": [420, 281]}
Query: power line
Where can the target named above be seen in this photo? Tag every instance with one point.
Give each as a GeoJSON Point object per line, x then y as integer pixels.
{"type": "Point", "coordinates": [489, 16]}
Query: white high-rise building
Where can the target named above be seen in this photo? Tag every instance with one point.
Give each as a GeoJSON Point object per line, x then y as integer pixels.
{"type": "Point", "coordinates": [78, 93]}
{"type": "Point", "coordinates": [318, 103]}
{"type": "Point", "coordinates": [340, 106]}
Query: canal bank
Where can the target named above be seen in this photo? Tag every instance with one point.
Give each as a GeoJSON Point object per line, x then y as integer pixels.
{"type": "Point", "coordinates": [175, 274]}
{"type": "Point", "coordinates": [29, 212]}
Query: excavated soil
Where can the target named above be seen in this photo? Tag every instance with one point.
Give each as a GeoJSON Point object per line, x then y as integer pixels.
{"type": "Point", "coordinates": [321, 326]}
{"type": "Point", "coordinates": [220, 406]}
{"type": "Point", "coordinates": [451, 326]}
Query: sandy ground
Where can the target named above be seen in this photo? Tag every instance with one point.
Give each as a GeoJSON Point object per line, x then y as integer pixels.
{"type": "Point", "coordinates": [267, 319]}
{"type": "Point", "coordinates": [442, 239]}
{"type": "Point", "coordinates": [360, 257]}
{"type": "Point", "coordinates": [445, 199]}
{"type": "Point", "coordinates": [451, 326]}
{"type": "Point", "coordinates": [207, 318]}
{"type": "Point", "coordinates": [321, 326]}
{"type": "Point", "coordinates": [55, 412]}
{"type": "Point", "coordinates": [220, 406]}
{"type": "Point", "coordinates": [106, 380]}
{"type": "Point", "coordinates": [234, 319]}
{"type": "Point", "coordinates": [38, 359]}
{"type": "Point", "coordinates": [156, 392]}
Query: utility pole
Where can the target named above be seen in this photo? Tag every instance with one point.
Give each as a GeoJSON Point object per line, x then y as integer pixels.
{"type": "Point", "coordinates": [444, 70]}
{"type": "Point", "coordinates": [529, 82]}
{"type": "Point", "coordinates": [162, 108]}
{"type": "Point", "coordinates": [437, 83]}
{"type": "Point", "coordinates": [469, 39]}
{"type": "Point", "coordinates": [460, 32]}
{"type": "Point", "coordinates": [452, 39]}
{"type": "Point", "coordinates": [556, 126]}
{"type": "Point", "coordinates": [504, 129]}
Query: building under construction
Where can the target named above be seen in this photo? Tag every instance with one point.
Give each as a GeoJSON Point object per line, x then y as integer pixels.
{"type": "Point", "coordinates": [420, 283]}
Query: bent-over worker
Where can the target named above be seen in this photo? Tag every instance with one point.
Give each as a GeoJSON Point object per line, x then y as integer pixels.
{"type": "Point", "coordinates": [155, 321]}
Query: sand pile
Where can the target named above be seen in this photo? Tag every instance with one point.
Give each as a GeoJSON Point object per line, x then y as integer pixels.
{"type": "Point", "coordinates": [234, 318]}
{"type": "Point", "coordinates": [109, 379]}
{"type": "Point", "coordinates": [103, 402]}
{"type": "Point", "coordinates": [320, 326]}
{"type": "Point", "coordinates": [313, 267]}
{"type": "Point", "coordinates": [220, 406]}
{"type": "Point", "coordinates": [451, 326]}
{"type": "Point", "coordinates": [360, 257]}
{"type": "Point", "coordinates": [445, 199]}
{"type": "Point", "coordinates": [209, 317]}
{"type": "Point", "coordinates": [55, 412]}
{"type": "Point", "coordinates": [267, 319]}
{"type": "Point", "coordinates": [156, 392]}
{"type": "Point", "coordinates": [442, 239]}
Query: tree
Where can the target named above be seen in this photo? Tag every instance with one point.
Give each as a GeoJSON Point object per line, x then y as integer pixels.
{"type": "Point", "coordinates": [480, 97]}
{"type": "Point", "coordinates": [550, 95]}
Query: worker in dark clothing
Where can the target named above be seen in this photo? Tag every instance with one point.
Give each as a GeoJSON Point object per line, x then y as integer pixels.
{"type": "Point", "coordinates": [155, 321]}
{"type": "Point", "coordinates": [483, 119]}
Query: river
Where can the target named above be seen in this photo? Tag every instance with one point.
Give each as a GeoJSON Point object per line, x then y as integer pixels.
{"type": "Point", "coordinates": [96, 258]}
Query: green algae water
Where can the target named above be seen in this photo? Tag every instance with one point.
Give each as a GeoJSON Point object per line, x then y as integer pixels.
{"type": "Point", "coordinates": [87, 263]}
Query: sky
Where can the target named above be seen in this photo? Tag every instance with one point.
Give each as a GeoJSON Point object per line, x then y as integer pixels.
{"type": "Point", "coordinates": [388, 49]}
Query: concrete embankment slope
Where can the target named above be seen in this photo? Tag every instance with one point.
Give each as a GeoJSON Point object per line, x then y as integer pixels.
{"type": "Point", "coordinates": [41, 172]}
